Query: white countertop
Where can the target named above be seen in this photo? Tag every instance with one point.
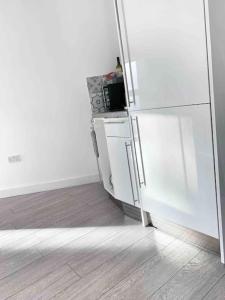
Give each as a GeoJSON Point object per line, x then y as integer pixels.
{"type": "Point", "coordinates": [115, 114]}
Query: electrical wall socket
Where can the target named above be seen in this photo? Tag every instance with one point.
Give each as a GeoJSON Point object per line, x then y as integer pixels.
{"type": "Point", "coordinates": [14, 158]}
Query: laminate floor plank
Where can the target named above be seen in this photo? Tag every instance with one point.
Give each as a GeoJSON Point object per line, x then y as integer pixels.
{"type": "Point", "coordinates": [39, 202]}
{"type": "Point", "coordinates": [113, 271]}
{"type": "Point", "coordinates": [6, 216]}
{"type": "Point", "coordinates": [148, 278]}
{"type": "Point", "coordinates": [17, 262]}
{"type": "Point", "coordinates": [13, 236]}
{"type": "Point", "coordinates": [87, 216]}
{"type": "Point", "coordinates": [50, 239]}
{"type": "Point", "coordinates": [109, 249]}
{"type": "Point", "coordinates": [76, 250]}
{"type": "Point", "coordinates": [48, 286]}
{"type": "Point", "coordinates": [46, 214]}
{"type": "Point", "coordinates": [79, 214]}
{"type": "Point", "coordinates": [75, 243]}
{"type": "Point", "coordinates": [44, 241]}
{"type": "Point", "coordinates": [217, 292]}
{"type": "Point", "coordinates": [31, 201]}
{"type": "Point", "coordinates": [18, 203]}
{"type": "Point", "coordinates": [82, 246]}
{"type": "Point", "coordinates": [194, 280]}
{"type": "Point", "coordinates": [53, 198]}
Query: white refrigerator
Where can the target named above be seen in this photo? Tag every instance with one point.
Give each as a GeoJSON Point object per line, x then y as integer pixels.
{"type": "Point", "coordinates": [165, 56]}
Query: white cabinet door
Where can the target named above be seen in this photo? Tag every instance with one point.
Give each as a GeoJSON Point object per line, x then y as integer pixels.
{"type": "Point", "coordinates": [123, 176]}
{"type": "Point", "coordinates": [103, 159]}
{"type": "Point", "coordinates": [165, 53]}
{"type": "Point", "coordinates": [177, 154]}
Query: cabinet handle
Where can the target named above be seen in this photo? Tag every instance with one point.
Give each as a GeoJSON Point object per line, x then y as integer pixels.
{"type": "Point", "coordinates": [127, 145]}
{"type": "Point", "coordinates": [115, 122]}
{"type": "Point", "coordinates": [141, 182]}
{"type": "Point", "coordinates": [119, 27]}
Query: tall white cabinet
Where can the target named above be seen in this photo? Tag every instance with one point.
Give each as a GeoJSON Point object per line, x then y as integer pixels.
{"type": "Point", "coordinates": [167, 56]}
{"type": "Point", "coordinates": [174, 62]}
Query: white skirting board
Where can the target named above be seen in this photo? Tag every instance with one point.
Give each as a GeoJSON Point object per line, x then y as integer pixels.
{"type": "Point", "coordinates": [47, 186]}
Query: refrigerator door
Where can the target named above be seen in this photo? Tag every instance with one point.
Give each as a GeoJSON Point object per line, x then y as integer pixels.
{"type": "Point", "coordinates": [164, 52]}
{"type": "Point", "coordinates": [178, 167]}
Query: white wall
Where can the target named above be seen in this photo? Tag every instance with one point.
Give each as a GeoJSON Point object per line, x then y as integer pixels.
{"type": "Point", "coordinates": [47, 49]}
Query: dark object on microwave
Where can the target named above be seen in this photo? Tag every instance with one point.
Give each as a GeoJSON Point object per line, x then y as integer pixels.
{"type": "Point", "coordinates": [114, 96]}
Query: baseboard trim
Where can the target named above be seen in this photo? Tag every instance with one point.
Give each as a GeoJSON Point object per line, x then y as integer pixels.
{"type": "Point", "coordinates": [48, 186]}
{"type": "Point", "coordinates": [190, 236]}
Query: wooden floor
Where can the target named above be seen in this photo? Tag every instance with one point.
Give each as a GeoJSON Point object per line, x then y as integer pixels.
{"type": "Point", "coordinates": [75, 243]}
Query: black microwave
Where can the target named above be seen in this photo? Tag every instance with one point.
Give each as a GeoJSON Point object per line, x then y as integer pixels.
{"type": "Point", "coordinates": [114, 96]}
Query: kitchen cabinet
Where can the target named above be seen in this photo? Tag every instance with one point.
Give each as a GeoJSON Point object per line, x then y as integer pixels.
{"type": "Point", "coordinates": [103, 159]}
{"type": "Point", "coordinates": [178, 179]}
{"type": "Point", "coordinates": [122, 168]}
{"type": "Point", "coordinates": [121, 158]}
{"type": "Point", "coordinates": [116, 158]}
{"type": "Point", "coordinates": [164, 52]}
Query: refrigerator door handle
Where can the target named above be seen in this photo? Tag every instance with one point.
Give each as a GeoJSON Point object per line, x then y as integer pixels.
{"type": "Point", "coordinates": [141, 153]}
{"type": "Point", "coordinates": [139, 169]}
{"type": "Point", "coordinates": [127, 145]}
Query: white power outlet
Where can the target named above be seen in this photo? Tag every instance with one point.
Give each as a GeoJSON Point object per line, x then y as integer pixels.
{"type": "Point", "coordinates": [14, 158]}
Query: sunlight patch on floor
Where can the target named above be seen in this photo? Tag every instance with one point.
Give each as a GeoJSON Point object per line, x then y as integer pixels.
{"type": "Point", "coordinates": [53, 238]}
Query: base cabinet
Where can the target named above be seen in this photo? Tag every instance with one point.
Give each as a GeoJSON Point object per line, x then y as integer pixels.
{"type": "Point", "coordinates": [103, 159]}
{"type": "Point", "coordinates": [122, 168]}
{"type": "Point", "coordinates": [116, 158]}
{"type": "Point", "coordinates": [175, 156]}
